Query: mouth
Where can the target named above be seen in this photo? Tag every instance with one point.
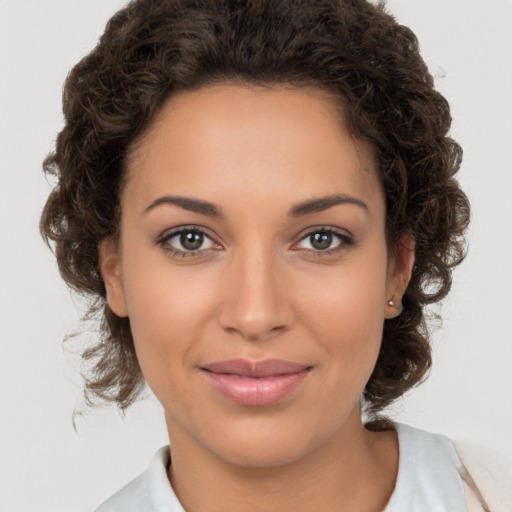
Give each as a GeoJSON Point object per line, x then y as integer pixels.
{"type": "Point", "coordinates": [256, 383]}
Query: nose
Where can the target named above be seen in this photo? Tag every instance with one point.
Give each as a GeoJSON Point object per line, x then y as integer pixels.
{"type": "Point", "coordinates": [255, 305]}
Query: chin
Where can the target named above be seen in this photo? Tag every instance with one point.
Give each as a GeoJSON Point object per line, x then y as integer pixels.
{"type": "Point", "coordinates": [260, 454]}
{"type": "Point", "coordinates": [268, 444]}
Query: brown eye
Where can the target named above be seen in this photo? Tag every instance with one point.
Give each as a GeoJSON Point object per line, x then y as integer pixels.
{"type": "Point", "coordinates": [325, 241]}
{"type": "Point", "coordinates": [191, 240]}
{"type": "Point", "coordinates": [186, 241]}
{"type": "Point", "coordinates": [321, 240]}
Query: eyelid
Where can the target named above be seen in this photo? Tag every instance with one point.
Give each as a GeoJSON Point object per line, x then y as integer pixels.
{"type": "Point", "coordinates": [171, 233]}
{"type": "Point", "coordinates": [345, 237]}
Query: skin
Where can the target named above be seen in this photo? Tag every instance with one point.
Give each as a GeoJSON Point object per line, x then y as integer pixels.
{"type": "Point", "coordinates": [260, 288]}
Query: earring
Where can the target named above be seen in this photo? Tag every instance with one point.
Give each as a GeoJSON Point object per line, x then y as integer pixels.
{"type": "Point", "coordinates": [392, 304]}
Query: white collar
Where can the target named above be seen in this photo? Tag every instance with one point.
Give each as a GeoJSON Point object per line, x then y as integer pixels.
{"type": "Point", "coordinates": [428, 479]}
{"type": "Point", "coordinates": [428, 474]}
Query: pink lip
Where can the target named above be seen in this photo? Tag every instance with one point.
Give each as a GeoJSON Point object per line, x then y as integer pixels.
{"type": "Point", "coordinates": [255, 382]}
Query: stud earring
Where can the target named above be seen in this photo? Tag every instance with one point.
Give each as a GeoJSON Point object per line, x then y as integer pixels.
{"type": "Point", "coordinates": [392, 304]}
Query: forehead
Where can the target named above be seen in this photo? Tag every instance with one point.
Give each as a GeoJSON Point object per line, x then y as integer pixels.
{"type": "Point", "coordinates": [252, 141]}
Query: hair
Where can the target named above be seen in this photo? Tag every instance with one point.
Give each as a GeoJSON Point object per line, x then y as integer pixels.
{"type": "Point", "coordinates": [350, 48]}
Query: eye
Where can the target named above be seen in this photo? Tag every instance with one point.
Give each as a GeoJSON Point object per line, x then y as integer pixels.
{"type": "Point", "coordinates": [325, 240]}
{"type": "Point", "coordinates": [186, 242]}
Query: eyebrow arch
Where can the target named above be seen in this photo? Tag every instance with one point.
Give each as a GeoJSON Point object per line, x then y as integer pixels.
{"type": "Point", "coordinates": [297, 210]}
{"type": "Point", "coordinates": [190, 204]}
{"type": "Point", "coordinates": [324, 203]}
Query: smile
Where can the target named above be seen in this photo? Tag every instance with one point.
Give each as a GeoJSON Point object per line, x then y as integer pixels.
{"type": "Point", "coordinates": [256, 383]}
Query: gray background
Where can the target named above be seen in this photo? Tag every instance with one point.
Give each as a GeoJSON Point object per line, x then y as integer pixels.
{"type": "Point", "coordinates": [48, 467]}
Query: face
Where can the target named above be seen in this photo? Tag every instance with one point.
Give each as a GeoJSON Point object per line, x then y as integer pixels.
{"type": "Point", "coordinates": [253, 267]}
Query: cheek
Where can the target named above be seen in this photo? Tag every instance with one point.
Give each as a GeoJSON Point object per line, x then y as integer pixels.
{"type": "Point", "coordinates": [167, 311]}
{"type": "Point", "coordinates": [350, 299]}
{"type": "Point", "coordinates": [347, 316]}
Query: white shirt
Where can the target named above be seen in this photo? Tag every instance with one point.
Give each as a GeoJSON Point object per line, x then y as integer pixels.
{"type": "Point", "coordinates": [428, 474]}
{"type": "Point", "coordinates": [428, 479]}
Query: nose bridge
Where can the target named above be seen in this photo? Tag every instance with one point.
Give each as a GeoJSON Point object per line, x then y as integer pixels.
{"type": "Point", "coordinates": [256, 303]}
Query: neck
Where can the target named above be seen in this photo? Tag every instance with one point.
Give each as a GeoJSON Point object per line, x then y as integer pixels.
{"type": "Point", "coordinates": [355, 470]}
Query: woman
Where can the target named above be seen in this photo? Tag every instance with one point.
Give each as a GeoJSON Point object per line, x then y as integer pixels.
{"type": "Point", "coordinates": [260, 199]}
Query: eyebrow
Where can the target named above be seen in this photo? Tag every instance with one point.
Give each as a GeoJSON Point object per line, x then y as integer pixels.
{"type": "Point", "coordinates": [188, 203]}
{"type": "Point", "coordinates": [323, 203]}
{"type": "Point", "coordinates": [297, 210]}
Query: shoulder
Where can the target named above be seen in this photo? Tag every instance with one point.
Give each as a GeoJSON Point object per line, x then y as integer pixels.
{"type": "Point", "coordinates": [436, 473]}
{"type": "Point", "coordinates": [132, 497]}
{"type": "Point", "coordinates": [487, 475]}
{"type": "Point", "coordinates": [426, 453]}
{"type": "Point", "coordinates": [428, 473]}
{"type": "Point", "coordinates": [148, 492]}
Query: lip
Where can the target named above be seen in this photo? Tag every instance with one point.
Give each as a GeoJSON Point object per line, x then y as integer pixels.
{"type": "Point", "coordinates": [256, 383]}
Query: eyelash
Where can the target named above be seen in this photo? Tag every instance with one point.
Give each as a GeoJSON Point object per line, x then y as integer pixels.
{"type": "Point", "coordinates": [164, 239]}
{"type": "Point", "coordinates": [345, 241]}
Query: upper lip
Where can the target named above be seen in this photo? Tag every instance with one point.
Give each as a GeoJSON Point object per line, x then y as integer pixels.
{"type": "Point", "coordinates": [247, 368]}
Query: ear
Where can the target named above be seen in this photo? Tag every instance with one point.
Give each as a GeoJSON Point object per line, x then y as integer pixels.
{"type": "Point", "coordinates": [110, 268]}
{"type": "Point", "coordinates": [400, 268]}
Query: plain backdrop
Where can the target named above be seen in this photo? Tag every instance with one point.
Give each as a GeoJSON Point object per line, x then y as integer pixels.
{"type": "Point", "coordinates": [48, 467]}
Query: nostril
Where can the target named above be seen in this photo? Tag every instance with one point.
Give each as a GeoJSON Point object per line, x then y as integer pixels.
{"type": "Point", "coordinates": [255, 308]}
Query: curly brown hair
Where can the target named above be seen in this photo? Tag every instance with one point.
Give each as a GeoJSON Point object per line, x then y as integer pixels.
{"type": "Point", "coordinates": [351, 48]}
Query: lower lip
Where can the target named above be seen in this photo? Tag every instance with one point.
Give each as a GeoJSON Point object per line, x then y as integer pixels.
{"type": "Point", "coordinates": [256, 391]}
